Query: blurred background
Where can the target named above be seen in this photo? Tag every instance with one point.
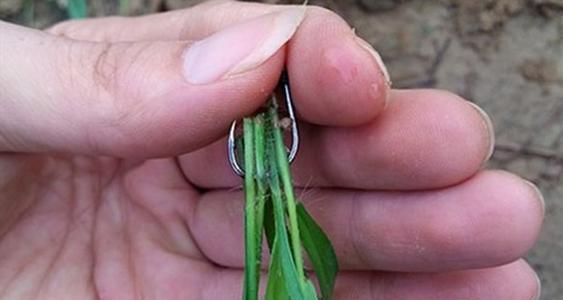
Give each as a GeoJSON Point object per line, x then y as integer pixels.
{"type": "Point", "coordinates": [504, 55]}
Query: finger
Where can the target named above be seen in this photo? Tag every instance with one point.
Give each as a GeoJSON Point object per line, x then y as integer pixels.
{"type": "Point", "coordinates": [489, 220]}
{"type": "Point", "coordinates": [135, 99]}
{"type": "Point", "coordinates": [337, 78]}
{"type": "Point", "coordinates": [424, 139]}
{"type": "Point", "coordinates": [515, 281]}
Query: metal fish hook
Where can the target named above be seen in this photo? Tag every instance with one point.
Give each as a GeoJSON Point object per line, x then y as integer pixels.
{"type": "Point", "coordinates": [283, 89]}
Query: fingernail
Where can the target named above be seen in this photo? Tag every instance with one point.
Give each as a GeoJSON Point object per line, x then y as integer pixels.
{"type": "Point", "coordinates": [240, 48]}
{"type": "Point", "coordinates": [377, 58]}
{"type": "Point", "coordinates": [538, 193]}
{"type": "Point", "coordinates": [489, 124]}
{"type": "Point", "coordinates": [537, 296]}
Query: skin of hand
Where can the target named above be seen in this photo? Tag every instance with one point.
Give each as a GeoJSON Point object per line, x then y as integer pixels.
{"type": "Point", "coordinates": [114, 181]}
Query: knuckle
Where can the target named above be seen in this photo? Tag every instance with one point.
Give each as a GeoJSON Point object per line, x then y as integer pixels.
{"type": "Point", "coordinates": [103, 77]}
{"type": "Point", "coordinates": [104, 68]}
{"type": "Point", "coordinates": [117, 95]}
{"type": "Point", "coordinates": [360, 231]}
{"type": "Point", "coordinates": [114, 83]}
{"type": "Point", "coordinates": [113, 79]}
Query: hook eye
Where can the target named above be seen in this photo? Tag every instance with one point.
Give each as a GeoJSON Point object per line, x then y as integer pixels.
{"type": "Point", "coordinates": [283, 89]}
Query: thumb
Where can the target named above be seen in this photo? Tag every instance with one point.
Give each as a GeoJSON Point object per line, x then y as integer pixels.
{"type": "Point", "coordinates": [145, 99]}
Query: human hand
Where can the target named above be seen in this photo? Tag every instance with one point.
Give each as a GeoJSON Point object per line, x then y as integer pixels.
{"type": "Point", "coordinates": [99, 200]}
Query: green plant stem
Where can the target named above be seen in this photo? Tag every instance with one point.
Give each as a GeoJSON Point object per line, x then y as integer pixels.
{"type": "Point", "coordinates": [271, 207]}
{"type": "Point", "coordinates": [292, 280]}
{"type": "Point", "coordinates": [251, 257]}
{"type": "Point", "coordinates": [77, 9]}
{"type": "Point", "coordinates": [282, 164]}
{"type": "Point", "coordinates": [123, 7]}
{"type": "Point", "coordinates": [260, 156]}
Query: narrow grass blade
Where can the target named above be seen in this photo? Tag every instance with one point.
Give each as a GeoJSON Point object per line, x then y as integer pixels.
{"type": "Point", "coordinates": [291, 277]}
{"type": "Point", "coordinates": [310, 291]}
{"type": "Point", "coordinates": [77, 9]}
{"type": "Point", "coordinates": [320, 252]}
{"type": "Point", "coordinates": [282, 168]}
{"type": "Point", "coordinates": [276, 287]}
{"type": "Point", "coordinates": [261, 184]}
{"type": "Point", "coordinates": [124, 7]}
{"type": "Point", "coordinates": [252, 256]}
{"type": "Point", "coordinates": [269, 225]}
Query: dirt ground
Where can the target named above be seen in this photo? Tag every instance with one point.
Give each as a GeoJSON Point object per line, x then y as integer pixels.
{"type": "Point", "coordinates": [506, 56]}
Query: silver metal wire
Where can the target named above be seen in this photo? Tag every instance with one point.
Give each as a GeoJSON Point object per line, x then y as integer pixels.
{"type": "Point", "coordinates": [284, 89]}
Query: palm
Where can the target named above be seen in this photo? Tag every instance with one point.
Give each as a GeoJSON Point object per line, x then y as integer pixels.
{"type": "Point", "coordinates": [85, 228]}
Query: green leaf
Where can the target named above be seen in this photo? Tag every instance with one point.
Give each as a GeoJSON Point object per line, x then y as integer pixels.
{"type": "Point", "coordinates": [281, 170]}
{"type": "Point", "coordinates": [124, 7]}
{"type": "Point", "coordinates": [291, 277]}
{"type": "Point", "coordinates": [77, 9]}
{"type": "Point", "coordinates": [310, 292]}
{"type": "Point", "coordinates": [276, 286]}
{"type": "Point", "coordinates": [261, 183]}
{"type": "Point", "coordinates": [28, 12]}
{"type": "Point", "coordinates": [252, 253]}
{"type": "Point", "coordinates": [320, 252]}
{"type": "Point", "coordinates": [263, 170]}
